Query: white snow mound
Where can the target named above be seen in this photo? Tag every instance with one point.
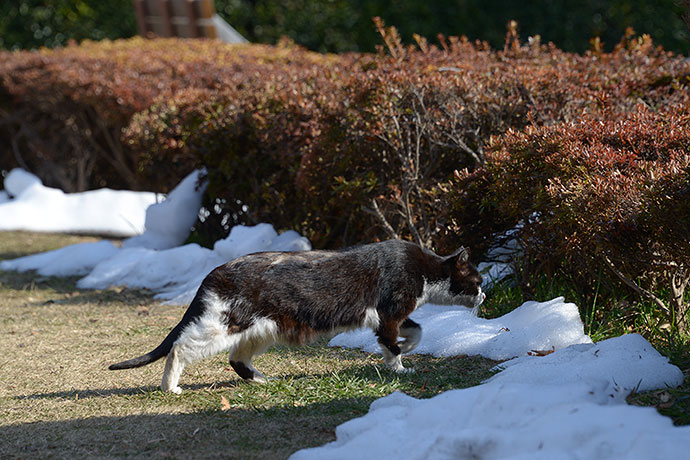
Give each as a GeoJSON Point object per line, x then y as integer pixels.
{"type": "Point", "coordinates": [505, 421]}
{"type": "Point", "coordinates": [244, 240]}
{"type": "Point", "coordinates": [19, 180]}
{"type": "Point", "coordinates": [77, 259]}
{"type": "Point", "coordinates": [168, 223]}
{"type": "Point", "coordinates": [160, 271]}
{"type": "Point", "coordinates": [567, 405]}
{"type": "Point", "coordinates": [617, 366]}
{"type": "Point", "coordinates": [31, 206]}
{"type": "Point", "coordinates": [175, 274]}
{"type": "Point", "coordinates": [454, 330]}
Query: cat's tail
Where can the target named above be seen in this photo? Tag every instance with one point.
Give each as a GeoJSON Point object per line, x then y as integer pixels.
{"type": "Point", "coordinates": [193, 312]}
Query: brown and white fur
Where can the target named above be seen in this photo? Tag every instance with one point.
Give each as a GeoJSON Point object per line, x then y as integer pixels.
{"type": "Point", "coordinates": [252, 302]}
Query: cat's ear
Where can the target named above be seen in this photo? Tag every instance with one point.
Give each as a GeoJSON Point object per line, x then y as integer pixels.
{"type": "Point", "coordinates": [460, 256]}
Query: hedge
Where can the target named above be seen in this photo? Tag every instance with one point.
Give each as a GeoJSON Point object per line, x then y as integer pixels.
{"type": "Point", "coordinates": [446, 145]}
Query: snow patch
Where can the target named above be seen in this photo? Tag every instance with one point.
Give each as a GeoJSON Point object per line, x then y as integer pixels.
{"type": "Point", "coordinates": [454, 330]}
{"type": "Point", "coordinates": [152, 260]}
{"type": "Point", "coordinates": [77, 259]}
{"type": "Point", "coordinates": [615, 366]}
{"type": "Point", "coordinates": [531, 414]}
{"type": "Point", "coordinates": [29, 205]}
{"type": "Point", "coordinates": [168, 223]}
{"type": "Point", "coordinates": [244, 240]}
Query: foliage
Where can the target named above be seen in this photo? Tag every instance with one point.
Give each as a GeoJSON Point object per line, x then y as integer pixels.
{"type": "Point", "coordinates": [63, 111]}
{"type": "Point", "coordinates": [345, 25]}
{"type": "Point", "coordinates": [446, 145]}
{"type": "Point", "coordinates": [597, 194]}
{"type": "Point", "coordinates": [29, 24]}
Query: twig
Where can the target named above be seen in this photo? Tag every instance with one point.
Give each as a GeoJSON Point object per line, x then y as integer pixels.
{"type": "Point", "coordinates": [382, 219]}
{"type": "Point", "coordinates": [410, 222]}
{"type": "Point", "coordinates": [641, 291]}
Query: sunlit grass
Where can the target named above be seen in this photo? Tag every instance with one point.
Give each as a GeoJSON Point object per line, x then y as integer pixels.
{"type": "Point", "coordinates": [58, 400]}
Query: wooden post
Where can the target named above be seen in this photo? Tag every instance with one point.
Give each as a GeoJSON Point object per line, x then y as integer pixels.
{"type": "Point", "coordinates": [193, 18]}
{"type": "Point", "coordinates": [141, 12]}
{"type": "Point", "coordinates": [178, 18]}
{"type": "Point", "coordinates": [206, 11]}
{"type": "Point", "coordinates": [166, 16]}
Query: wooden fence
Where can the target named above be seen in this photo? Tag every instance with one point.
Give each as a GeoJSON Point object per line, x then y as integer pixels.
{"type": "Point", "coordinates": [176, 18]}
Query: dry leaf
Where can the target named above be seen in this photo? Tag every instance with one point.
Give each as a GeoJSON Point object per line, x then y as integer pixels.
{"type": "Point", "coordinates": [541, 352]}
{"type": "Point", "coordinates": [224, 404]}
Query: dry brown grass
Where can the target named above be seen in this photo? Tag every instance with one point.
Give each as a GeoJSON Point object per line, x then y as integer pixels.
{"type": "Point", "coordinates": [58, 400]}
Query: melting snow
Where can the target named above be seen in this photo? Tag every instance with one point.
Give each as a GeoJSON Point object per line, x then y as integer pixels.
{"type": "Point", "coordinates": [29, 205]}
{"type": "Point", "coordinates": [568, 404]}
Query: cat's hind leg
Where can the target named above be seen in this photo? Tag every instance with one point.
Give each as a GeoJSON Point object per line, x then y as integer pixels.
{"type": "Point", "coordinates": [245, 370]}
{"type": "Point", "coordinates": [251, 343]}
{"type": "Point", "coordinates": [173, 369]}
{"type": "Point", "coordinates": [411, 331]}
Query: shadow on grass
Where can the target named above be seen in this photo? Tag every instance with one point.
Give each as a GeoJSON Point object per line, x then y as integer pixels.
{"type": "Point", "coordinates": [432, 376]}
{"type": "Point", "coordinates": [233, 433]}
{"type": "Point", "coordinates": [21, 281]}
{"type": "Point", "coordinates": [233, 419]}
{"type": "Point", "coordinates": [132, 391]}
{"type": "Point", "coordinates": [270, 428]}
{"type": "Point", "coordinates": [66, 292]}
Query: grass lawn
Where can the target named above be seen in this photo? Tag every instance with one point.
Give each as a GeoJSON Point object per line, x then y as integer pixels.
{"type": "Point", "coordinates": [58, 400]}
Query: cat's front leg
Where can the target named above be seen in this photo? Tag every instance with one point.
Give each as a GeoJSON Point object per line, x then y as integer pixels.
{"type": "Point", "coordinates": [387, 336]}
{"type": "Point", "coordinates": [411, 331]}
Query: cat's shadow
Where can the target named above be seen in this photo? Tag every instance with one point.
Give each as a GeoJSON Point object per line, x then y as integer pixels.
{"type": "Point", "coordinates": [131, 391]}
{"type": "Point", "coordinates": [134, 391]}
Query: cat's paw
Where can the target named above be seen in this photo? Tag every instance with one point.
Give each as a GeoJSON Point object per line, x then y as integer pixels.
{"type": "Point", "coordinates": [259, 378]}
{"type": "Point", "coordinates": [405, 370]}
{"type": "Point", "coordinates": [406, 346]}
{"type": "Point", "coordinates": [398, 368]}
{"type": "Point", "coordinates": [176, 390]}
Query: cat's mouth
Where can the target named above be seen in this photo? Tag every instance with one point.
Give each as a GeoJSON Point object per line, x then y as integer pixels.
{"type": "Point", "coordinates": [471, 301]}
{"type": "Point", "coordinates": [479, 298]}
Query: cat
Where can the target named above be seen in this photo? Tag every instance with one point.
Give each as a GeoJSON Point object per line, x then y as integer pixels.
{"type": "Point", "coordinates": [254, 301]}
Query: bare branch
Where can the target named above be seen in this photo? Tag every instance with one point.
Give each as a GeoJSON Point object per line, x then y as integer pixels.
{"type": "Point", "coordinates": [631, 284]}
{"type": "Point", "coordinates": [382, 219]}
{"type": "Point", "coordinates": [16, 150]}
{"type": "Point", "coordinates": [410, 220]}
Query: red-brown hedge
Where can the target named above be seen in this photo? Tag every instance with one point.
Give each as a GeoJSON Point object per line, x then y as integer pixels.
{"type": "Point", "coordinates": [63, 110]}
{"type": "Point", "coordinates": [449, 144]}
{"type": "Point", "coordinates": [343, 148]}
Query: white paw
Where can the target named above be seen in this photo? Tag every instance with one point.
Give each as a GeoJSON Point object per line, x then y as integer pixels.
{"type": "Point", "coordinates": [176, 390]}
{"type": "Point", "coordinates": [405, 370]}
{"type": "Point", "coordinates": [258, 379]}
{"type": "Point", "coordinates": [407, 346]}
{"type": "Point", "coordinates": [399, 368]}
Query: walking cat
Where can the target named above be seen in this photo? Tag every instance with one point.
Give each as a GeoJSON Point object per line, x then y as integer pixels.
{"type": "Point", "coordinates": [252, 302]}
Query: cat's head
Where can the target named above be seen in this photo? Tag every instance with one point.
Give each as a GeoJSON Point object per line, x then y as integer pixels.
{"type": "Point", "coordinates": [465, 280]}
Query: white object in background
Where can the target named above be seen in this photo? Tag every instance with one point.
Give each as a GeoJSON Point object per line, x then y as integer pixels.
{"type": "Point", "coordinates": [169, 222]}
{"type": "Point", "coordinates": [34, 207]}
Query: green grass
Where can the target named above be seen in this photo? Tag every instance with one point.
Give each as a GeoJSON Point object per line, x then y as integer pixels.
{"type": "Point", "coordinates": [58, 400]}
{"type": "Point", "coordinates": [603, 321]}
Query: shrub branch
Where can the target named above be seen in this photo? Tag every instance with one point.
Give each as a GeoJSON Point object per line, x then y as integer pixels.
{"type": "Point", "coordinates": [635, 287]}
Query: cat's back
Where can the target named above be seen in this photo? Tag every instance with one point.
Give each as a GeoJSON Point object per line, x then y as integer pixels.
{"type": "Point", "coordinates": [322, 269]}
